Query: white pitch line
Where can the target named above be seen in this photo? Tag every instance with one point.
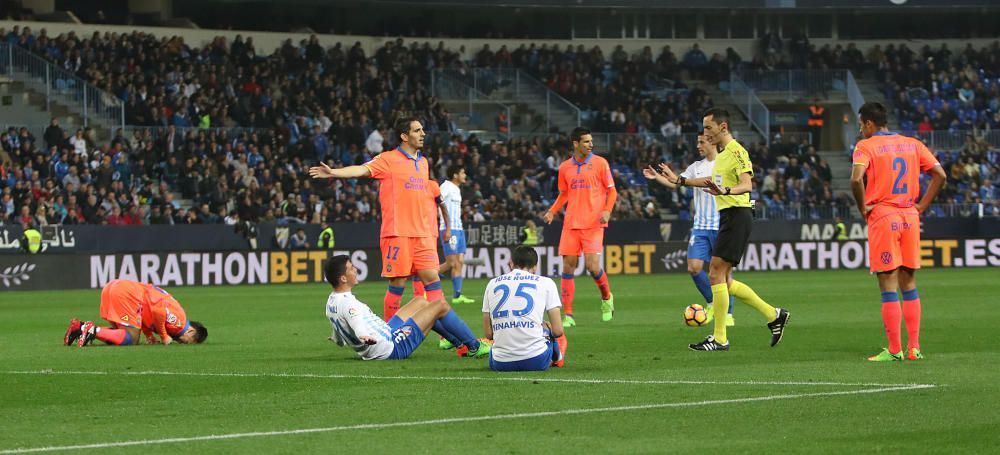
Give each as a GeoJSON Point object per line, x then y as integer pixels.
{"type": "Point", "coordinates": [497, 378]}
{"type": "Point", "coordinates": [379, 426]}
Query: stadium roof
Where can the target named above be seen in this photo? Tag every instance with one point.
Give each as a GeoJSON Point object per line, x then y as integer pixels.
{"type": "Point", "coordinates": [669, 4]}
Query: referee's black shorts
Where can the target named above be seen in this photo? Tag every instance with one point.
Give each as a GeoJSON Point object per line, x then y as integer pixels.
{"type": "Point", "coordinates": [734, 233]}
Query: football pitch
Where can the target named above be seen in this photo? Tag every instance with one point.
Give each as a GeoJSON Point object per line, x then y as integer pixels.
{"type": "Point", "coordinates": [268, 381]}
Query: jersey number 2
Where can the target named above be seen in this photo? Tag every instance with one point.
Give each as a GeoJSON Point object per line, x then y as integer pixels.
{"type": "Point", "coordinates": [899, 165]}
{"type": "Point", "coordinates": [503, 288]}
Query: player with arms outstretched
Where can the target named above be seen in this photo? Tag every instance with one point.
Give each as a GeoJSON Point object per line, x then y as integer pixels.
{"type": "Point", "coordinates": [588, 191]}
{"type": "Point", "coordinates": [514, 308]}
{"type": "Point", "coordinates": [892, 164]}
{"type": "Point", "coordinates": [409, 218]}
{"type": "Point", "coordinates": [731, 183]}
{"type": "Point", "coordinates": [409, 215]}
{"type": "Point", "coordinates": [705, 229]}
{"type": "Point", "coordinates": [131, 307]}
{"type": "Point", "coordinates": [356, 326]}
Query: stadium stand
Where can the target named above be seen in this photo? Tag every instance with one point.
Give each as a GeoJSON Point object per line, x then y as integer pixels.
{"type": "Point", "coordinates": [220, 131]}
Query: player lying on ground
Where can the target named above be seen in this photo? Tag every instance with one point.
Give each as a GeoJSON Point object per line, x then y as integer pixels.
{"type": "Point", "coordinates": [356, 326]}
{"type": "Point", "coordinates": [522, 341]}
{"type": "Point", "coordinates": [131, 307]}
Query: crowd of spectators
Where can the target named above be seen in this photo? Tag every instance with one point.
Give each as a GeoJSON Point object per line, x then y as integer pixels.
{"type": "Point", "coordinates": [142, 176]}
{"type": "Point", "coordinates": [973, 172]}
{"type": "Point", "coordinates": [932, 90]}
{"type": "Point", "coordinates": [935, 89]}
{"type": "Point", "coordinates": [621, 94]}
{"type": "Point", "coordinates": [303, 104]}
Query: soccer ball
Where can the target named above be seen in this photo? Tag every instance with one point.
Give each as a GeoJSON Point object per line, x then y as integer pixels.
{"type": "Point", "coordinates": [694, 315]}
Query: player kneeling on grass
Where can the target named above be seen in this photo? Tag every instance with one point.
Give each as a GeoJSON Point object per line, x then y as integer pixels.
{"type": "Point", "coordinates": [131, 307]}
{"type": "Point", "coordinates": [513, 308]}
{"type": "Point", "coordinates": [356, 326]}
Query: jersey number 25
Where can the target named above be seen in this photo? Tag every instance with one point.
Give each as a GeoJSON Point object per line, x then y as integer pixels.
{"type": "Point", "coordinates": [529, 301]}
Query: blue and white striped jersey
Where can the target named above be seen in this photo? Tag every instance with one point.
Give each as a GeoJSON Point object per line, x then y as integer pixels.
{"type": "Point", "coordinates": [451, 196]}
{"type": "Point", "coordinates": [351, 320]}
{"type": "Point", "coordinates": [705, 215]}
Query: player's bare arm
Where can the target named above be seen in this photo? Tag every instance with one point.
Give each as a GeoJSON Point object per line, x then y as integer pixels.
{"type": "Point", "coordinates": [555, 323]}
{"type": "Point", "coordinates": [858, 188]}
{"type": "Point", "coordinates": [323, 171]}
{"type": "Point", "coordinates": [447, 221]}
{"type": "Point", "coordinates": [367, 340]}
{"type": "Point", "coordinates": [938, 177]}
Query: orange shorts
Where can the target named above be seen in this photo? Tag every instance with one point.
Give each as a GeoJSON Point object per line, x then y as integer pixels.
{"type": "Point", "coordinates": [403, 256]}
{"type": "Point", "coordinates": [893, 239]}
{"type": "Point", "coordinates": [574, 242]}
{"type": "Point", "coordinates": [118, 309]}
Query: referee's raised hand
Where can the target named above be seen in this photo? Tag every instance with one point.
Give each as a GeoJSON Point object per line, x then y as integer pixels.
{"type": "Point", "coordinates": [712, 188]}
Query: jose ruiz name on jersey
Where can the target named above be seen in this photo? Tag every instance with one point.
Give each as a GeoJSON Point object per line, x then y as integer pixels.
{"type": "Point", "coordinates": [516, 277]}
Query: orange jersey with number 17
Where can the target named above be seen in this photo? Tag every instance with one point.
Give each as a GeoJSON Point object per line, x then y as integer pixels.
{"type": "Point", "coordinates": [404, 193]}
{"type": "Point", "coordinates": [893, 166]}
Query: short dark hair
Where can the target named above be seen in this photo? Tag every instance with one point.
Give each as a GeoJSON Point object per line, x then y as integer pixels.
{"type": "Point", "coordinates": [718, 114]}
{"type": "Point", "coordinates": [335, 268]}
{"type": "Point", "coordinates": [875, 112]}
{"type": "Point", "coordinates": [525, 257]}
{"type": "Point", "coordinates": [454, 170]}
{"type": "Point", "coordinates": [403, 125]}
{"type": "Point", "coordinates": [578, 133]}
{"type": "Point", "coordinates": [200, 332]}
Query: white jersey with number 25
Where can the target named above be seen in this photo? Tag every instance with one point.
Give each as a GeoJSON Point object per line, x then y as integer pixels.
{"type": "Point", "coordinates": [517, 302]}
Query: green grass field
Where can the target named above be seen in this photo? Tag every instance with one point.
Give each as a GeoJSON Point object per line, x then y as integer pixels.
{"type": "Point", "coordinates": [268, 381]}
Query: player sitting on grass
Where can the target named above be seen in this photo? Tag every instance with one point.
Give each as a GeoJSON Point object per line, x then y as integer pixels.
{"type": "Point", "coordinates": [522, 341]}
{"type": "Point", "coordinates": [356, 326]}
{"type": "Point", "coordinates": [131, 306]}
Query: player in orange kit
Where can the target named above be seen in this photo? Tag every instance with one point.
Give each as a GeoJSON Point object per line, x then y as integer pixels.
{"type": "Point", "coordinates": [588, 191]}
{"type": "Point", "coordinates": [889, 202]}
{"type": "Point", "coordinates": [131, 307]}
{"type": "Point", "coordinates": [408, 237]}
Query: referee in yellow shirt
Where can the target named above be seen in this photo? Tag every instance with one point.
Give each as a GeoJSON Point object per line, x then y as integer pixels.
{"type": "Point", "coordinates": [731, 183]}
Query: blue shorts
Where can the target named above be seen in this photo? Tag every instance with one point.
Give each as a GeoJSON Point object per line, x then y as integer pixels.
{"type": "Point", "coordinates": [702, 244]}
{"type": "Point", "coordinates": [406, 337]}
{"type": "Point", "coordinates": [459, 236]}
{"type": "Point", "coordinates": [540, 362]}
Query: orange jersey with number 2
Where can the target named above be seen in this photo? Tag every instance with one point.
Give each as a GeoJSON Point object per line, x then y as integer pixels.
{"type": "Point", "coordinates": [893, 164]}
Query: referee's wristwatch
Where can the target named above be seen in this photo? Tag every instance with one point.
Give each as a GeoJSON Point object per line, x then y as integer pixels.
{"type": "Point", "coordinates": [728, 190]}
